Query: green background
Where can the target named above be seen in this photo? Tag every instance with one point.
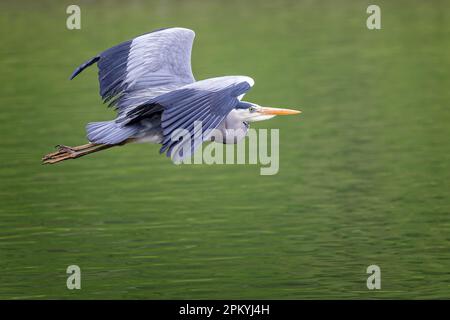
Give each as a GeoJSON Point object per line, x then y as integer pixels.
{"type": "Point", "coordinates": [364, 171]}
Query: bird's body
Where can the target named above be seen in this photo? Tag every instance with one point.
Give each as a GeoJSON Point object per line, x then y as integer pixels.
{"type": "Point", "coordinates": [232, 130]}
{"type": "Point", "coordinates": [150, 83]}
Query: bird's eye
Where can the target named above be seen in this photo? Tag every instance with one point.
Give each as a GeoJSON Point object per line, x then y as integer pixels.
{"type": "Point", "coordinates": [252, 109]}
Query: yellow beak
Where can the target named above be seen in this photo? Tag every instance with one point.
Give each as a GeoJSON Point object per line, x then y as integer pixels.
{"type": "Point", "coordinates": [277, 111]}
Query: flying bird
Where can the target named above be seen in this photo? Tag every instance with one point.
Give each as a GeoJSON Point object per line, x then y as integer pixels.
{"type": "Point", "coordinates": [149, 81]}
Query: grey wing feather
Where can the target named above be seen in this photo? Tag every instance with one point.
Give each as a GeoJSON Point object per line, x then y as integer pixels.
{"type": "Point", "coordinates": [144, 67]}
{"type": "Point", "coordinates": [208, 101]}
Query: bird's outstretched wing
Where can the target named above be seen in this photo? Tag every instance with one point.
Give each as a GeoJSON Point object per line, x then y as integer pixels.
{"type": "Point", "coordinates": [202, 105]}
{"type": "Point", "coordinates": [144, 67]}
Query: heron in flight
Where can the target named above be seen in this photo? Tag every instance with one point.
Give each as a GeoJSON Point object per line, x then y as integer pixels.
{"type": "Point", "coordinates": [150, 83]}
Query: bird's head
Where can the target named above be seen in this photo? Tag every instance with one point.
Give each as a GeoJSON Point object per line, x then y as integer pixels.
{"type": "Point", "coordinates": [251, 112]}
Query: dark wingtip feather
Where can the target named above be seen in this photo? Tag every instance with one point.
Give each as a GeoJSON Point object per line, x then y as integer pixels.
{"type": "Point", "coordinates": [84, 66]}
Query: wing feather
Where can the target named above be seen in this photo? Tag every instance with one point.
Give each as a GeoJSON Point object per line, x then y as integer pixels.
{"type": "Point", "coordinates": [207, 102]}
{"type": "Point", "coordinates": [144, 67]}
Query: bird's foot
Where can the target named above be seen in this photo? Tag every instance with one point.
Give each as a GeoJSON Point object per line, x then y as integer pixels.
{"type": "Point", "coordinates": [66, 153]}
{"type": "Point", "coordinates": [63, 148]}
{"type": "Point", "coordinates": [63, 153]}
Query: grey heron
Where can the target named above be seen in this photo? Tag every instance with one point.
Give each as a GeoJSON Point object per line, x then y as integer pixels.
{"type": "Point", "coordinates": [150, 83]}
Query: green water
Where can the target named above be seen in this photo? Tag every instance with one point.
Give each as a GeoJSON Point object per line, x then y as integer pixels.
{"type": "Point", "coordinates": [364, 171]}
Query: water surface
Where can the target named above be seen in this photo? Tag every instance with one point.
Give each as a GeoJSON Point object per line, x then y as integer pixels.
{"type": "Point", "coordinates": [364, 171]}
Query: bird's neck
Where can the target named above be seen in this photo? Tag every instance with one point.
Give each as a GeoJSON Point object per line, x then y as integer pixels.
{"type": "Point", "coordinates": [233, 129]}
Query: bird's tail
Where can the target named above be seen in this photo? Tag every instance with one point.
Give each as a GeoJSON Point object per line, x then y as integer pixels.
{"type": "Point", "coordinates": [109, 132]}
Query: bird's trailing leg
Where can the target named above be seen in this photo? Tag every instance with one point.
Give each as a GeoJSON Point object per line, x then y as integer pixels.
{"type": "Point", "coordinates": [67, 153]}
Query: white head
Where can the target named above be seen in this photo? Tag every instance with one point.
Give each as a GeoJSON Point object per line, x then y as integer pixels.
{"type": "Point", "coordinates": [251, 112]}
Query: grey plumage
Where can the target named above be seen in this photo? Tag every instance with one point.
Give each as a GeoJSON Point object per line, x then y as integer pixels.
{"type": "Point", "coordinates": [150, 83]}
{"type": "Point", "coordinates": [150, 77]}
